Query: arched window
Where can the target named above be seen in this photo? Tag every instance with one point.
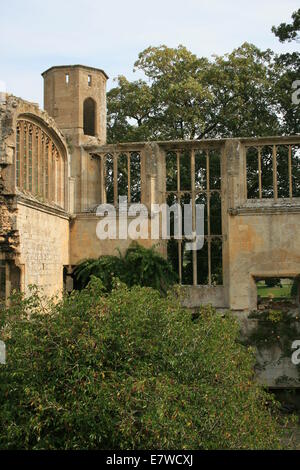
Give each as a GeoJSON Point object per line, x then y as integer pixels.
{"type": "Point", "coordinates": [89, 115]}
{"type": "Point", "coordinates": [40, 168]}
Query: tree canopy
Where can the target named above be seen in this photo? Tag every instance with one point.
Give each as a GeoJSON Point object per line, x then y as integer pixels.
{"type": "Point", "coordinates": [289, 31]}
{"type": "Point", "coordinates": [244, 93]}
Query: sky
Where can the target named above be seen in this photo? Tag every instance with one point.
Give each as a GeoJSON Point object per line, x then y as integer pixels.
{"type": "Point", "coordinates": [36, 35]}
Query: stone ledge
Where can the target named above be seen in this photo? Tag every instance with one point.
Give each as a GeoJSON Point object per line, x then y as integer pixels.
{"type": "Point", "coordinates": [43, 207]}
{"type": "Point", "coordinates": [193, 296]}
{"type": "Point", "coordinates": [265, 210]}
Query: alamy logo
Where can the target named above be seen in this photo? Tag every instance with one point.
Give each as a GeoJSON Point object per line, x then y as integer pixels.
{"type": "Point", "coordinates": [135, 222]}
{"type": "Point", "coordinates": [296, 93]}
{"type": "Point", "coordinates": [296, 354]}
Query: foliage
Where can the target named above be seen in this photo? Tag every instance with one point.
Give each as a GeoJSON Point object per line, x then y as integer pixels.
{"type": "Point", "coordinates": [294, 289]}
{"type": "Point", "coordinates": [244, 93]}
{"type": "Point", "coordinates": [288, 31]}
{"type": "Point", "coordinates": [105, 268]}
{"type": "Point", "coordinates": [128, 370]}
{"type": "Point", "coordinates": [274, 327]}
{"type": "Point", "coordinates": [285, 72]}
{"type": "Point", "coordinates": [187, 97]}
{"type": "Point", "coordinates": [140, 266]}
{"type": "Point", "coordinates": [272, 281]}
{"type": "Point", "coordinates": [145, 267]}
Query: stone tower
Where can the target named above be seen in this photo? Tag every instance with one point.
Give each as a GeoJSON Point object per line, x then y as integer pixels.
{"type": "Point", "coordinates": [75, 96]}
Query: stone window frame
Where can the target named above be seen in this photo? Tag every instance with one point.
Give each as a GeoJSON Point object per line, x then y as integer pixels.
{"type": "Point", "coordinates": [40, 161]}
{"type": "Point", "coordinates": [276, 153]}
{"type": "Point", "coordinates": [197, 188]}
{"type": "Point", "coordinates": [89, 116]}
{"type": "Point", "coordinates": [117, 166]}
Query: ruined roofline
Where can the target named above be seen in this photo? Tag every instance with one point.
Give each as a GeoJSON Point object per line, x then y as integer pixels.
{"type": "Point", "coordinates": [54, 67]}
{"type": "Point", "coordinates": [7, 97]}
{"type": "Point", "coordinates": [169, 144]}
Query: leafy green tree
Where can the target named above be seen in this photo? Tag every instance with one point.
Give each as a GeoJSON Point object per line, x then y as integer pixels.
{"type": "Point", "coordinates": [130, 101]}
{"type": "Point", "coordinates": [186, 97]}
{"type": "Point", "coordinates": [289, 31]}
{"type": "Point", "coordinates": [128, 370]}
{"type": "Point", "coordinates": [286, 72]}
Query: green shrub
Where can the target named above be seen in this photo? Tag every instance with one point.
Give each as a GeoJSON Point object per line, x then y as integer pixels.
{"type": "Point", "coordinates": [128, 370]}
{"type": "Point", "coordinates": [140, 266]}
{"type": "Point", "coordinates": [272, 281]}
{"type": "Point", "coordinates": [105, 268]}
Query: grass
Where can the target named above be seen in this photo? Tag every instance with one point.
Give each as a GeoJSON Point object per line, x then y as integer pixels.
{"type": "Point", "coordinates": [277, 292]}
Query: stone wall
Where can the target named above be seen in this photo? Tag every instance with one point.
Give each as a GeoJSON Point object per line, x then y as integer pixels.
{"type": "Point", "coordinates": [262, 243]}
{"type": "Point", "coordinates": [44, 246]}
{"type": "Point", "coordinates": [34, 236]}
{"type": "Point", "coordinates": [84, 242]}
{"type": "Point", "coordinates": [8, 233]}
{"type": "Point", "coordinates": [9, 238]}
{"type": "Point", "coordinates": [204, 295]}
{"type": "Point", "coordinates": [261, 236]}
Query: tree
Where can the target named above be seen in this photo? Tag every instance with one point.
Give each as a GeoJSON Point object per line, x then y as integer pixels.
{"type": "Point", "coordinates": [128, 370]}
{"type": "Point", "coordinates": [130, 101]}
{"type": "Point", "coordinates": [186, 97]}
{"type": "Point", "coordinates": [287, 69]}
{"type": "Point", "coordinates": [289, 31]}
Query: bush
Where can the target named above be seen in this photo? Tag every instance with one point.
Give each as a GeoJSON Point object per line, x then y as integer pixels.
{"type": "Point", "coordinates": [105, 268]}
{"type": "Point", "coordinates": [128, 370]}
{"type": "Point", "coordinates": [140, 266]}
{"type": "Point", "coordinates": [272, 281]}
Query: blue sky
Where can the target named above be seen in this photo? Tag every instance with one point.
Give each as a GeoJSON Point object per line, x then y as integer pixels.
{"type": "Point", "coordinates": [35, 34]}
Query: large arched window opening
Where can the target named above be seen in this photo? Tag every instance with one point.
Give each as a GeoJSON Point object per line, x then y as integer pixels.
{"type": "Point", "coordinates": [40, 167]}
{"type": "Point", "coordinates": [89, 116]}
